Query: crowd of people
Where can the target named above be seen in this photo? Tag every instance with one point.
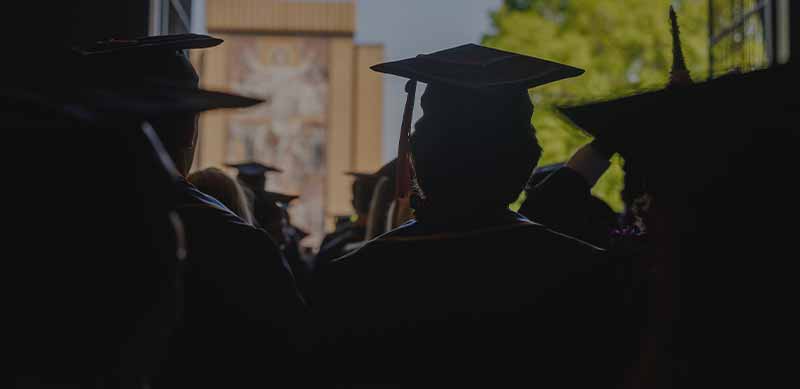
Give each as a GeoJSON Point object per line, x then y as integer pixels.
{"type": "Point", "coordinates": [130, 271]}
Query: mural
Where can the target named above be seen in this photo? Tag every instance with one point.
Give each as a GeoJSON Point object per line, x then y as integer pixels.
{"type": "Point", "coordinates": [288, 131]}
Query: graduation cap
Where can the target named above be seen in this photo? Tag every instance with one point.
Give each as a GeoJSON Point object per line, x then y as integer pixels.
{"type": "Point", "coordinates": [131, 61]}
{"type": "Point", "coordinates": [253, 168]}
{"type": "Point", "coordinates": [144, 44]}
{"type": "Point", "coordinates": [673, 131]}
{"type": "Point", "coordinates": [679, 73]}
{"type": "Point", "coordinates": [146, 77]}
{"type": "Point", "coordinates": [281, 198]}
{"type": "Point", "coordinates": [362, 175]}
{"type": "Point", "coordinates": [693, 111]}
{"type": "Point", "coordinates": [149, 100]}
{"type": "Point", "coordinates": [253, 173]}
{"type": "Point", "coordinates": [473, 70]}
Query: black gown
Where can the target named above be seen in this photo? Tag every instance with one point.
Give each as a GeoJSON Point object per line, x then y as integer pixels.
{"type": "Point", "coordinates": [337, 243]}
{"type": "Point", "coordinates": [497, 299]}
{"type": "Point", "coordinates": [242, 306]}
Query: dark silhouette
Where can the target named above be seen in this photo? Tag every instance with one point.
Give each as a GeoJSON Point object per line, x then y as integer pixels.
{"type": "Point", "coordinates": [700, 203]}
{"type": "Point", "coordinates": [470, 291]}
{"type": "Point", "coordinates": [95, 298]}
{"type": "Point", "coordinates": [237, 285]}
{"type": "Point", "coordinates": [271, 214]}
{"type": "Point", "coordinates": [343, 239]}
{"type": "Point", "coordinates": [560, 197]}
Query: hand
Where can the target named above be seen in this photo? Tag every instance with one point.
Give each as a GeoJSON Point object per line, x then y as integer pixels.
{"type": "Point", "coordinates": [589, 163]}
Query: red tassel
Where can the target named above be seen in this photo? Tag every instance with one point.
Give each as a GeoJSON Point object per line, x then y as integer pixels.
{"type": "Point", "coordinates": [403, 185]}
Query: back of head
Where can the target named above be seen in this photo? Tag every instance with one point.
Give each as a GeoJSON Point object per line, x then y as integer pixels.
{"type": "Point", "coordinates": [216, 183]}
{"type": "Point", "coordinates": [363, 189]}
{"type": "Point", "coordinates": [472, 142]}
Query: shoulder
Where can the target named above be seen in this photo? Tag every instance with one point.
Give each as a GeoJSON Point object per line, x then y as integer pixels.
{"type": "Point", "coordinates": [377, 244]}
{"type": "Point", "coordinates": [195, 205]}
{"type": "Point", "coordinates": [209, 223]}
{"type": "Point", "coordinates": [520, 230]}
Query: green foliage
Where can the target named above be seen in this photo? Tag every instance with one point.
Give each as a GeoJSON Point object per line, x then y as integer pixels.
{"type": "Point", "coordinates": [624, 45]}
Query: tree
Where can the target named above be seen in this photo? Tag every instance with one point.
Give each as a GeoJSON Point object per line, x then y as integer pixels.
{"type": "Point", "coordinates": [624, 45]}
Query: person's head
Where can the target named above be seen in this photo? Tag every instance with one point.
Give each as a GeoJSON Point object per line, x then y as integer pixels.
{"type": "Point", "coordinates": [475, 135]}
{"type": "Point", "coordinates": [363, 189]}
{"type": "Point", "coordinates": [479, 144]}
{"type": "Point", "coordinates": [219, 185]}
{"type": "Point", "coordinates": [161, 84]}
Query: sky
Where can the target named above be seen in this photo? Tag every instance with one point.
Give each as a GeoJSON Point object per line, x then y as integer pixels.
{"type": "Point", "coordinates": [410, 27]}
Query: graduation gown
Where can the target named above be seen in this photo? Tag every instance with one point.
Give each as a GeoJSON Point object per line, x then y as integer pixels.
{"type": "Point", "coordinates": [242, 305]}
{"type": "Point", "coordinates": [336, 243]}
{"type": "Point", "coordinates": [494, 299]}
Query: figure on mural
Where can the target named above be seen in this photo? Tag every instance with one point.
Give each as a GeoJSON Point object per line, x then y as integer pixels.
{"type": "Point", "coordinates": [291, 128]}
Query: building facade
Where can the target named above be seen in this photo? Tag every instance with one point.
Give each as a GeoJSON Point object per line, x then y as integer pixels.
{"type": "Point", "coordinates": [323, 111]}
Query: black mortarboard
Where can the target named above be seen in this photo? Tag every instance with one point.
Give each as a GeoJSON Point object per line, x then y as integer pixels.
{"type": "Point", "coordinates": [150, 100]}
{"type": "Point", "coordinates": [142, 44]}
{"type": "Point", "coordinates": [665, 135]}
{"type": "Point", "coordinates": [146, 77]}
{"type": "Point", "coordinates": [281, 198]}
{"type": "Point", "coordinates": [155, 57]}
{"type": "Point", "coordinates": [471, 70]}
{"type": "Point", "coordinates": [253, 174]}
{"type": "Point", "coordinates": [479, 68]}
{"type": "Point", "coordinates": [253, 168]}
{"type": "Point", "coordinates": [689, 113]}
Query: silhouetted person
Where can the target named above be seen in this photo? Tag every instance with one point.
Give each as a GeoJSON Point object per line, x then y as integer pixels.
{"type": "Point", "coordinates": [291, 236]}
{"type": "Point", "coordinates": [718, 293]}
{"type": "Point", "coordinates": [341, 241]}
{"type": "Point", "coordinates": [270, 211]}
{"type": "Point", "coordinates": [241, 303]}
{"type": "Point", "coordinates": [95, 298]}
{"type": "Point", "coordinates": [469, 290]}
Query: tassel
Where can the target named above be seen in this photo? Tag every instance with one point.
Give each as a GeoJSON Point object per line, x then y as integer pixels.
{"type": "Point", "coordinates": [679, 73]}
{"type": "Point", "coordinates": [403, 185]}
